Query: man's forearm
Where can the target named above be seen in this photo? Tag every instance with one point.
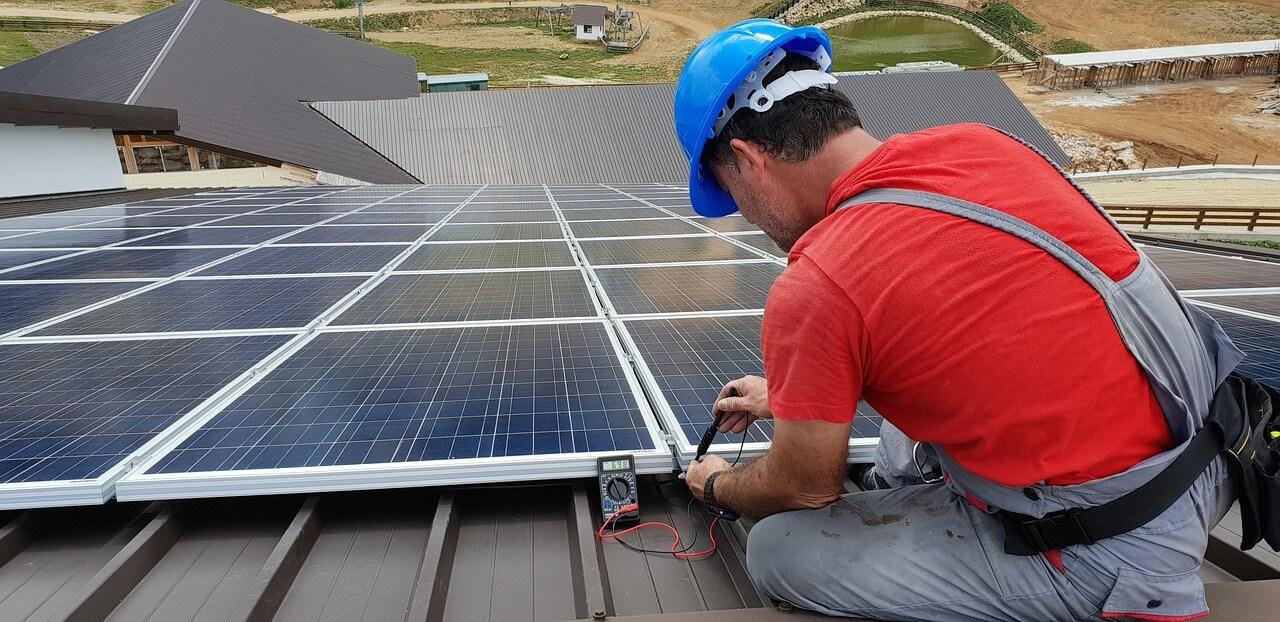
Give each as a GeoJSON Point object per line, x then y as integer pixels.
{"type": "Point", "coordinates": [755, 491]}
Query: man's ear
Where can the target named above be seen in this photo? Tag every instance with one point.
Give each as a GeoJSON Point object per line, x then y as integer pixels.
{"type": "Point", "coordinates": [749, 156]}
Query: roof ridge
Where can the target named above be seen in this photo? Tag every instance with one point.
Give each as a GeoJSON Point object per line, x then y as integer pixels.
{"type": "Point", "coordinates": [164, 51]}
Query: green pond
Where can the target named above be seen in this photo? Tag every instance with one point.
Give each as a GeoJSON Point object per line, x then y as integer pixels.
{"type": "Point", "coordinates": [880, 42]}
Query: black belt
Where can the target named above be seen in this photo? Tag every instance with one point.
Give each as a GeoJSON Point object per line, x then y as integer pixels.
{"type": "Point", "coordinates": [1026, 535]}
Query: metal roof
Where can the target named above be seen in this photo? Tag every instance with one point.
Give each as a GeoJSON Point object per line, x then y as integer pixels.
{"type": "Point", "coordinates": [237, 78]}
{"type": "Point", "coordinates": [592, 14]}
{"type": "Point", "coordinates": [28, 206]}
{"type": "Point", "coordinates": [25, 109]}
{"type": "Point", "coordinates": [625, 134]}
{"type": "Point", "coordinates": [1142, 55]}
{"type": "Point", "coordinates": [501, 554]}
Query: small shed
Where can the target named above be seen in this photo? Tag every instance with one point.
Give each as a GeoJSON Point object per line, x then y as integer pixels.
{"type": "Point", "coordinates": [588, 21]}
{"type": "Point", "coordinates": [453, 82]}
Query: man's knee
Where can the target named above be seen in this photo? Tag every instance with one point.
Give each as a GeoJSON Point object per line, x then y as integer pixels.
{"type": "Point", "coordinates": [767, 553]}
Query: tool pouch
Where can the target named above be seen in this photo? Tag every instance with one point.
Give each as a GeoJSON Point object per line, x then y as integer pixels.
{"type": "Point", "coordinates": [1245, 413]}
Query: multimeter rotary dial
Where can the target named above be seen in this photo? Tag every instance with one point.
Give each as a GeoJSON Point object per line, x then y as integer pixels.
{"type": "Point", "coordinates": [619, 489]}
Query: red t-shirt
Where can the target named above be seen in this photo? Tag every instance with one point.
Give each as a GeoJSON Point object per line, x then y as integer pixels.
{"type": "Point", "coordinates": [959, 334]}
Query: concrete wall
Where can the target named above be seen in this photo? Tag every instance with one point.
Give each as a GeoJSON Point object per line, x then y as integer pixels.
{"type": "Point", "coordinates": [595, 35]}
{"type": "Point", "coordinates": [48, 160]}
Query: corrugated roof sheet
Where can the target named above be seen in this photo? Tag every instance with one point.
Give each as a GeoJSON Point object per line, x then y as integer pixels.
{"type": "Point", "coordinates": [592, 14]}
{"type": "Point", "coordinates": [625, 134]}
{"type": "Point", "coordinates": [1142, 55]}
{"type": "Point", "coordinates": [237, 78]}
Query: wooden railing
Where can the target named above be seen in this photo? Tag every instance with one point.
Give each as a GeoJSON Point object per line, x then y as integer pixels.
{"type": "Point", "coordinates": [1146, 216]}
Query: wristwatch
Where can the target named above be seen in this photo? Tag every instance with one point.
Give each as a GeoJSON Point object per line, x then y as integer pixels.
{"type": "Point", "coordinates": [709, 499]}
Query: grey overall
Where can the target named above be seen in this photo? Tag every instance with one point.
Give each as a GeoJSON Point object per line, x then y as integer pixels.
{"type": "Point", "coordinates": [926, 551]}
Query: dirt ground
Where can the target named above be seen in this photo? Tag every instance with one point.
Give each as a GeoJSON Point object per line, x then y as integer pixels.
{"type": "Point", "coordinates": [1120, 24]}
{"type": "Point", "coordinates": [515, 37]}
{"type": "Point", "coordinates": [1193, 121]}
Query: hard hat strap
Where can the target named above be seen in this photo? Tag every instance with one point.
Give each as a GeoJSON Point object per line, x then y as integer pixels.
{"type": "Point", "coordinates": [754, 94]}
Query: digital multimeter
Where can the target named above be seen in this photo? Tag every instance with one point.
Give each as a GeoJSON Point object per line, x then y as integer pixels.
{"type": "Point", "coordinates": [617, 475]}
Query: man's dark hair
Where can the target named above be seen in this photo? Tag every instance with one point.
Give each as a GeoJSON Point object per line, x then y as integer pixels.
{"type": "Point", "coordinates": [794, 128]}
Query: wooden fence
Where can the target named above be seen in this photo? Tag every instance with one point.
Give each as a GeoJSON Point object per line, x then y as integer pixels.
{"type": "Point", "coordinates": [1146, 216]}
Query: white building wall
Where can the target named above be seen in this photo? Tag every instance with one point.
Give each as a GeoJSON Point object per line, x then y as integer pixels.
{"type": "Point", "coordinates": [48, 160]}
{"type": "Point", "coordinates": [595, 35]}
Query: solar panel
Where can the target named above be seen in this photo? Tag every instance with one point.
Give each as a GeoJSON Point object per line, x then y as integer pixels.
{"type": "Point", "coordinates": [728, 224]}
{"type": "Point", "coordinates": [530, 231]}
{"type": "Point", "coordinates": [762, 242]}
{"type": "Point", "coordinates": [214, 305]}
{"type": "Point", "coordinates": [9, 259]}
{"type": "Point", "coordinates": [528, 215]}
{"type": "Point", "coordinates": [422, 407]}
{"type": "Point", "coordinates": [61, 220]}
{"type": "Point", "coordinates": [489, 256]}
{"type": "Point", "coordinates": [412, 208]}
{"type": "Point", "coordinates": [620, 213]}
{"type": "Point", "coordinates": [649, 250]}
{"type": "Point", "coordinates": [304, 259]}
{"type": "Point", "coordinates": [625, 228]}
{"type": "Point", "coordinates": [691, 359]}
{"type": "Point", "coordinates": [213, 236]}
{"type": "Point", "coordinates": [326, 234]}
{"type": "Point", "coordinates": [145, 221]}
{"type": "Point", "coordinates": [473, 297]}
{"type": "Point", "coordinates": [26, 304]}
{"type": "Point", "coordinates": [274, 219]}
{"type": "Point", "coordinates": [683, 288]}
{"type": "Point", "coordinates": [1190, 271]}
{"type": "Point", "coordinates": [1260, 341]}
{"type": "Point", "coordinates": [120, 263]}
{"type": "Point", "coordinates": [396, 218]}
{"type": "Point", "coordinates": [75, 238]}
{"type": "Point", "coordinates": [1268, 304]}
{"type": "Point", "coordinates": [73, 411]}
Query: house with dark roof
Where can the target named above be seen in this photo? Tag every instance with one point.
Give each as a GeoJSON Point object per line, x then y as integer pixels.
{"type": "Point", "coordinates": [528, 136]}
{"type": "Point", "coordinates": [588, 20]}
{"type": "Point", "coordinates": [239, 80]}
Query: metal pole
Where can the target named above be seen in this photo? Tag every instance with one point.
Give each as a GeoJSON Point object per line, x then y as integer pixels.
{"type": "Point", "coordinates": [360, 12]}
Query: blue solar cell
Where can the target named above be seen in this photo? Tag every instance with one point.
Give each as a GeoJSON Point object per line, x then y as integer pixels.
{"type": "Point", "coordinates": [69, 219]}
{"type": "Point", "coordinates": [762, 242]}
{"type": "Point", "coordinates": [498, 231]}
{"type": "Point", "coordinates": [650, 250]}
{"type": "Point", "coordinates": [213, 236]}
{"type": "Point", "coordinates": [75, 238]}
{"type": "Point", "coordinates": [74, 410]}
{"type": "Point", "coordinates": [23, 305]}
{"type": "Point", "coordinates": [1260, 341]}
{"type": "Point", "coordinates": [391, 218]}
{"type": "Point", "coordinates": [1188, 270]}
{"type": "Point", "coordinates": [438, 209]}
{"type": "Point", "coordinates": [371, 233]}
{"type": "Point", "coordinates": [620, 213]}
{"type": "Point", "coordinates": [691, 359]}
{"type": "Point", "coordinates": [681, 288]}
{"type": "Point", "coordinates": [473, 296]}
{"type": "Point", "coordinates": [304, 259]}
{"type": "Point", "coordinates": [624, 228]}
{"type": "Point", "coordinates": [160, 220]}
{"type": "Point", "coordinates": [527, 215]}
{"type": "Point", "coordinates": [1266, 303]}
{"type": "Point", "coordinates": [9, 259]}
{"type": "Point", "coordinates": [120, 263]}
{"type": "Point", "coordinates": [214, 305]}
{"type": "Point", "coordinates": [728, 224]}
{"type": "Point", "coordinates": [489, 256]}
{"type": "Point", "coordinates": [400, 396]}
{"type": "Point", "coordinates": [275, 219]}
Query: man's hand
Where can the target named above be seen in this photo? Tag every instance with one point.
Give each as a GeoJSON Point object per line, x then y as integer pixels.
{"type": "Point", "coordinates": [698, 472]}
{"type": "Point", "coordinates": [741, 402]}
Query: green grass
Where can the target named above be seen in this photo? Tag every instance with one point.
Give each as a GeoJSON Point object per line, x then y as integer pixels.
{"type": "Point", "coordinates": [1270, 244]}
{"type": "Point", "coordinates": [516, 66]}
{"type": "Point", "coordinates": [1008, 16]}
{"type": "Point", "coordinates": [15, 48]}
{"type": "Point", "coordinates": [1070, 46]}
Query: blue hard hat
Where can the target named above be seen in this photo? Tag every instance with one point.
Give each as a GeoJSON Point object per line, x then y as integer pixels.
{"type": "Point", "coordinates": [716, 69]}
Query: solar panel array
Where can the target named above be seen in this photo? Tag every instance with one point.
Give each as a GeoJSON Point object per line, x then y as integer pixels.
{"type": "Point", "coordinates": [301, 339]}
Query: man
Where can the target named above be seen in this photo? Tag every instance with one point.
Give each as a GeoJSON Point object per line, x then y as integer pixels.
{"type": "Point", "coordinates": [964, 287]}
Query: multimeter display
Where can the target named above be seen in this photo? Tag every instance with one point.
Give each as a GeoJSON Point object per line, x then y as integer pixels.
{"type": "Point", "coordinates": [617, 477]}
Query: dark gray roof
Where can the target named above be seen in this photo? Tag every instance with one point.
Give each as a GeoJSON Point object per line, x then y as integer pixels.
{"type": "Point", "coordinates": [623, 134]}
{"type": "Point", "coordinates": [592, 14]}
{"type": "Point", "coordinates": [236, 78]}
{"type": "Point", "coordinates": [27, 109]}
